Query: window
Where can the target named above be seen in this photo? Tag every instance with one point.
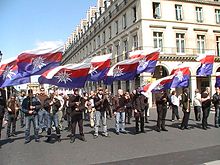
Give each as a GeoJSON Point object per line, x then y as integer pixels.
{"type": "Point", "coordinates": [110, 32]}
{"type": "Point", "coordinates": [98, 42]}
{"type": "Point", "coordinates": [199, 14]}
{"type": "Point", "coordinates": [124, 21]}
{"type": "Point", "coordinates": [103, 36]}
{"type": "Point", "coordinates": [201, 44]}
{"type": "Point", "coordinates": [109, 50]}
{"type": "Point", "coordinates": [158, 40]}
{"type": "Point", "coordinates": [117, 53]}
{"type": "Point", "coordinates": [116, 7]}
{"type": "Point", "coordinates": [135, 42]}
{"type": "Point", "coordinates": [180, 42]}
{"type": "Point", "coordinates": [125, 49]}
{"type": "Point", "coordinates": [134, 14]}
{"type": "Point", "coordinates": [110, 14]}
{"type": "Point", "coordinates": [218, 45]}
{"type": "Point", "coordinates": [179, 12]}
{"type": "Point", "coordinates": [217, 15]}
{"type": "Point", "coordinates": [94, 44]}
{"type": "Point", "coordinates": [116, 27]}
{"type": "Point", "coordinates": [156, 10]}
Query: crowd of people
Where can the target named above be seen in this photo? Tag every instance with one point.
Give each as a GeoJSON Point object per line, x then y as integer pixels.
{"type": "Point", "coordinates": [47, 112]}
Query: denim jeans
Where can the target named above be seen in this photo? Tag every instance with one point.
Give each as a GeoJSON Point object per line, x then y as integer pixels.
{"type": "Point", "coordinates": [43, 119]}
{"type": "Point", "coordinates": [217, 116]}
{"type": "Point", "coordinates": [100, 115]}
{"type": "Point", "coordinates": [120, 121]}
{"type": "Point", "coordinates": [52, 118]}
{"type": "Point", "coordinates": [11, 123]}
{"type": "Point", "coordinates": [34, 120]}
{"type": "Point", "coordinates": [22, 118]}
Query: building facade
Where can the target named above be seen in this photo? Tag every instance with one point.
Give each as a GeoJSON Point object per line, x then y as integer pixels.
{"type": "Point", "coordinates": [181, 29]}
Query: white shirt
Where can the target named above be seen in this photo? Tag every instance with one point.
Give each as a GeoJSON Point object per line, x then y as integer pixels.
{"type": "Point", "coordinates": [197, 100]}
{"type": "Point", "coordinates": [175, 100]}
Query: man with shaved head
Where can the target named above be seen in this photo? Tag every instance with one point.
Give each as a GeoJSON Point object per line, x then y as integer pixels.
{"type": "Point", "coordinates": [119, 103]}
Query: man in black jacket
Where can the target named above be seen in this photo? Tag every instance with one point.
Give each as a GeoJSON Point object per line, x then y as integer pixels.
{"type": "Point", "coordinates": [100, 113]}
{"type": "Point", "coordinates": [139, 104]}
{"type": "Point", "coordinates": [161, 103]}
{"type": "Point", "coordinates": [77, 105]}
{"type": "Point", "coordinates": [30, 107]}
{"type": "Point", "coordinates": [52, 105]}
{"type": "Point", "coordinates": [185, 100]}
{"type": "Point", "coordinates": [216, 102]}
{"type": "Point", "coordinates": [206, 106]}
{"type": "Point", "coordinates": [2, 107]}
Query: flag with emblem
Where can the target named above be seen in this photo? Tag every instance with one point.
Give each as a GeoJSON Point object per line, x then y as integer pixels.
{"type": "Point", "coordinates": [123, 70]}
{"type": "Point", "coordinates": [67, 76]}
{"type": "Point", "coordinates": [38, 61]}
{"type": "Point", "coordinates": [9, 75]}
{"type": "Point", "coordinates": [207, 61]}
{"type": "Point", "coordinates": [181, 76]}
{"type": "Point", "coordinates": [147, 59]}
{"type": "Point", "coordinates": [217, 81]}
{"type": "Point", "coordinates": [99, 67]}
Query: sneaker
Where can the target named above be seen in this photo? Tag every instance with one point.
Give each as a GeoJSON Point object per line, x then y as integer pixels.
{"type": "Point", "coordinates": [37, 140]}
{"type": "Point", "coordinates": [172, 120]}
{"type": "Point", "coordinates": [117, 133]}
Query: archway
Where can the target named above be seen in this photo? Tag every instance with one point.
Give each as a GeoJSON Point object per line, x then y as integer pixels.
{"type": "Point", "coordinates": [160, 71]}
{"type": "Point", "coordinates": [202, 82]}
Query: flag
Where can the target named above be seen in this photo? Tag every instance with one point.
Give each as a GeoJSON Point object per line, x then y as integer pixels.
{"type": "Point", "coordinates": [147, 59]}
{"type": "Point", "coordinates": [207, 61]}
{"type": "Point", "coordinates": [38, 61]}
{"type": "Point", "coordinates": [9, 75]}
{"type": "Point", "coordinates": [67, 76]}
{"type": "Point", "coordinates": [123, 70]}
{"type": "Point", "coordinates": [159, 85]}
{"type": "Point", "coordinates": [181, 76]}
{"type": "Point", "coordinates": [99, 67]}
{"type": "Point", "coordinates": [217, 82]}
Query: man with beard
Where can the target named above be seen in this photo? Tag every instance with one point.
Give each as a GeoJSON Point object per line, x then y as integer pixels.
{"type": "Point", "coordinates": [77, 106]}
{"type": "Point", "coordinates": [52, 105]}
{"type": "Point", "coordinates": [100, 113]}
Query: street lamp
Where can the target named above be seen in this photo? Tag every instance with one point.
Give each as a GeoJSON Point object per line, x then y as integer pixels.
{"type": "Point", "coordinates": [0, 56]}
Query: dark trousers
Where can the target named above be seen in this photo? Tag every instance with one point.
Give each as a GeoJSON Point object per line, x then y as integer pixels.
{"type": "Point", "coordinates": [22, 118]}
{"type": "Point", "coordinates": [128, 115]}
{"type": "Point", "coordinates": [175, 112]}
{"type": "Point", "coordinates": [205, 111]}
{"type": "Point", "coordinates": [139, 117]}
{"type": "Point", "coordinates": [1, 121]}
{"type": "Point", "coordinates": [74, 120]}
{"type": "Point", "coordinates": [161, 116]}
{"type": "Point", "coordinates": [109, 111]}
{"type": "Point", "coordinates": [185, 120]}
{"type": "Point", "coordinates": [145, 113]}
{"type": "Point", "coordinates": [11, 123]}
{"type": "Point", "coordinates": [197, 111]}
{"type": "Point", "coordinates": [217, 116]}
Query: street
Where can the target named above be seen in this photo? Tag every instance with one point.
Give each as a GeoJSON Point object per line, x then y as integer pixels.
{"type": "Point", "coordinates": [182, 147]}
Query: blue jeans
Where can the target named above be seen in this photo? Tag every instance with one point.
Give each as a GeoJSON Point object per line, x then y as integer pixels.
{"type": "Point", "coordinates": [52, 118]}
{"type": "Point", "coordinates": [43, 119]}
{"type": "Point", "coordinates": [217, 116]}
{"type": "Point", "coordinates": [100, 115]}
{"type": "Point", "coordinates": [34, 120]}
{"type": "Point", "coordinates": [120, 121]}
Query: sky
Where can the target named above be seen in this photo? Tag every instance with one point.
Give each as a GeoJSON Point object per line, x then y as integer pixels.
{"type": "Point", "coordinates": [29, 24]}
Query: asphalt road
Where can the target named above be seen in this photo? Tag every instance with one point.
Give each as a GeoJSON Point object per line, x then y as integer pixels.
{"type": "Point", "coordinates": [175, 147]}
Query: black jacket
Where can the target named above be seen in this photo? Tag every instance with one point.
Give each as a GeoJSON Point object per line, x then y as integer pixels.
{"type": "Point", "coordinates": [139, 102]}
{"type": "Point", "coordinates": [76, 109]}
{"type": "Point", "coordinates": [54, 107]}
{"type": "Point", "coordinates": [31, 101]}
{"type": "Point", "coordinates": [99, 103]}
{"type": "Point", "coordinates": [216, 100]}
{"type": "Point", "coordinates": [3, 102]}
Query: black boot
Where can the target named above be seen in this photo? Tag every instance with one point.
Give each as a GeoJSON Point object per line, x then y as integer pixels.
{"type": "Point", "coordinates": [72, 139]}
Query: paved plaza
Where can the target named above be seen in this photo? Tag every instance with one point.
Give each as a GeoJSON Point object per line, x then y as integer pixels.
{"type": "Point", "coordinates": [175, 147]}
